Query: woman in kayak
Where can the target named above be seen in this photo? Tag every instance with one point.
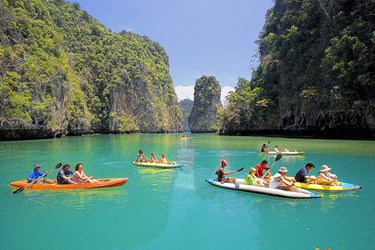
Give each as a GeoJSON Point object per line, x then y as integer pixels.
{"type": "Point", "coordinates": [153, 158]}
{"type": "Point", "coordinates": [327, 178]}
{"type": "Point", "coordinates": [221, 173]}
{"type": "Point", "coordinates": [264, 147]}
{"type": "Point", "coordinates": [251, 179]}
{"type": "Point", "coordinates": [80, 177]}
{"type": "Point", "coordinates": [163, 160]}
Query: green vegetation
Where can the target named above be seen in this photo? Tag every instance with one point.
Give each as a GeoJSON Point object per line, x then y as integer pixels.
{"type": "Point", "coordinates": [316, 72]}
{"type": "Point", "coordinates": [207, 105]}
{"type": "Point", "coordinates": [60, 67]}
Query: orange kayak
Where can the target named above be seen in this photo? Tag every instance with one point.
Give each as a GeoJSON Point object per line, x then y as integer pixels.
{"type": "Point", "coordinates": [103, 183]}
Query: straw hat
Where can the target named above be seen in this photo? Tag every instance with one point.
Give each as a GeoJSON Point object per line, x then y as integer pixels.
{"type": "Point", "coordinates": [252, 170]}
{"type": "Point", "coordinates": [325, 168]}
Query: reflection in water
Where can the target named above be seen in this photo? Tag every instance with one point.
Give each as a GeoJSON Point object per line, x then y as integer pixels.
{"type": "Point", "coordinates": [77, 199]}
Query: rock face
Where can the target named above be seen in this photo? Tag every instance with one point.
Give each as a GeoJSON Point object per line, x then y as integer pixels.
{"type": "Point", "coordinates": [316, 75]}
{"type": "Point", "coordinates": [204, 114]}
{"type": "Point", "coordinates": [63, 73]}
{"type": "Point", "coordinates": [186, 106]}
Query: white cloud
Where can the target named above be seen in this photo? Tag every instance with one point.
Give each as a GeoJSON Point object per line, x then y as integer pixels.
{"type": "Point", "coordinates": [184, 92]}
{"type": "Point", "coordinates": [187, 92]}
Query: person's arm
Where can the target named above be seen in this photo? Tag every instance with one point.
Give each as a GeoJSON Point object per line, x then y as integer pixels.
{"type": "Point", "coordinates": [30, 176]}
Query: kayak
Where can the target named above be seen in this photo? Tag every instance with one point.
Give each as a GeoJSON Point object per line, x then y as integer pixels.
{"type": "Point", "coordinates": [103, 183]}
{"type": "Point", "coordinates": [283, 153]}
{"type": "Point", "coordinates": [344, 186]}
{"type": "Point", "coordinates": [240, 186]}
{"type": "Point", "coordinates": [156, 165]}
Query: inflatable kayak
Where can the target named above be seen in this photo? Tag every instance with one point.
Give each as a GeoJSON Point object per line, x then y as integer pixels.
{"type": "Point", "coordinates": [240, 186]}
{"type": "Point", "coordinates": [344, 187]}
{"type": "Point", "coordinates": [103, 183]}
{"type": "Point", "coordinates": [283, 153]}
{"type": "Point", "coordinates": [156, 165]}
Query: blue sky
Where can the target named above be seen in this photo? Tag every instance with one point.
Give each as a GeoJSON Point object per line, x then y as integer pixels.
{"type": "Point", "coordinates": [201, 37]}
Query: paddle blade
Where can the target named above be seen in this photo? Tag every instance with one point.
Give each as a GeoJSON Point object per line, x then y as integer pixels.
{"type": "Point", "coordinates": [18, 190]}
{"type": "Point", "coordinates": [240, 169]}
{"type": "Point", "coordinates": [278, 157]}
{"type": "Point", "coordinates": [58, 165]}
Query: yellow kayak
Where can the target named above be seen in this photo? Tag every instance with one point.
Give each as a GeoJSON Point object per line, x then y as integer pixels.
{"type": "Point", "coordinates": [156, 165]}
{"type": "Point", "coordinates": [344, 186]}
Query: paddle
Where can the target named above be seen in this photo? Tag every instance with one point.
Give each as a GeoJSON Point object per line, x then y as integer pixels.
{"type": "Point", "coordinates": [278, 157]}
{"type": "Point", "coordinates": [34, 181]}
{"type": "Point", "coordinates": [268, 149]}
{"type": "Point", "coordinates": [238, 170]}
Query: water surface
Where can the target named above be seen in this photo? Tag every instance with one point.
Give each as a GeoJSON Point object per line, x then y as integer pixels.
{"type": "Point", "coordinates": [177, 209]}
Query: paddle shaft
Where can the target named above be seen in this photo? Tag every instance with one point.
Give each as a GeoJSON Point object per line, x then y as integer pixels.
{"type": "Point", "coordinates": [34, 181]}
{"type": "Point", "coordinates": [278, 157]}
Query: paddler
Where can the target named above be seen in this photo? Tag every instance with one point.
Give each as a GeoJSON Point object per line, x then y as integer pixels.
{"type": "Point", "coordinates": [259, 170]}
{"type": "Point", "coordinates": [303, 174]}
{"type": "Point", "coordinates": [327, 178]}
{"type": "Point", "coordinates": [36, 173]}
{"type": "Point", "coordinates": [221, 173]}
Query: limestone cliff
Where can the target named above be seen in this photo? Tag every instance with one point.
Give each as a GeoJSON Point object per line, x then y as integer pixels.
{"type": "Point", "coordinates": [204, 114]}
{"type": "Point", "coordinates": [63, 73]}
{"type": "Point", "coordinates": [316, 75]}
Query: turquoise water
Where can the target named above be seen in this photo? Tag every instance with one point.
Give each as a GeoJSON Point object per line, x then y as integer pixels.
{"type": "Point", "coordinates": [177, 209]}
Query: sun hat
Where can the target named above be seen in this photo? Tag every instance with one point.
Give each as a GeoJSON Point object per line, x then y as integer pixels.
{"type": "Point", "coordinates": [224, 162]}
{"type": "Point", "coordinates": [37, 165]}
{"type": "Point", "coordinates": [283, 170]}
{"type": "Point", "coordinates": [325, 168]}
{"type": "Point", "coordinates": [252, 170]}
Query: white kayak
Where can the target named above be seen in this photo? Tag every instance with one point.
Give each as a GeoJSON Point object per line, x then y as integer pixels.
{"type": "Point", "coordinates": [283, 153]}
{"type": "Point", "coordinates": [239, 185]}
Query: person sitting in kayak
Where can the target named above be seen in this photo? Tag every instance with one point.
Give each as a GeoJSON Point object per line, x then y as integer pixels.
{"type": "Point", "coordinates": [153, 158]}
{"type": "Point", "coordinates": [141, 157]}
{"type": "Point", "coordinates": [276, 148]}
{"type": "Point", "coordinates": [80, 177]}
{"type": "Point", "coordinates": [251, 179]}
{"type": "Point", "coordinates": [264, 148]}
{"type": "Point", "coordinates": [327, 178]}
{"type": "Point", "coordinates": [163, 160]}
{"type": "Point", "coordinates": [221, 173]}
{"type": "Point", "coordinates": [280, 181]}
{"type": "Point", "coordinates": [259, 170]}
{"type": "Point", "coordinates": [63, 175]}
{"type": "Point", "coordinates": [303, 174]}
{"type": "Point", "coordinates": [36, 173]}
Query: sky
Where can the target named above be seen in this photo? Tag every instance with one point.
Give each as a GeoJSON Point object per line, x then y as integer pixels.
{"type": "Point", "coordinates": [201, 37]}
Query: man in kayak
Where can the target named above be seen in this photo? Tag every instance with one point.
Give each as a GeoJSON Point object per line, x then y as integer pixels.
{"type": "Point", "coordinates": [63, 175]}
{"type": "Point", "coordinates": [36, 173]}
{"type": "Point", "coordinates": [303, 174]}
{"type": "Point", "coordinates": [221, 173]}
{"type": "Point", "coordinates": [280, 181]}
{"type": "Point", "coordinates": [259, 169]}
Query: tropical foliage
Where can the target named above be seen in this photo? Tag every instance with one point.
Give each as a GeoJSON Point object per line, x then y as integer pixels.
{"type": "Point", "coordinates": [316, 72]}
{"type": "Point", "coordinates": [60, 67]}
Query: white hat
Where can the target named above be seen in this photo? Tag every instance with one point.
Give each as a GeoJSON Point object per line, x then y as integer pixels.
{"type": "Point", "coordinates": [283, 170]}
{"type": "Point", "coordinates": [325, 168]}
